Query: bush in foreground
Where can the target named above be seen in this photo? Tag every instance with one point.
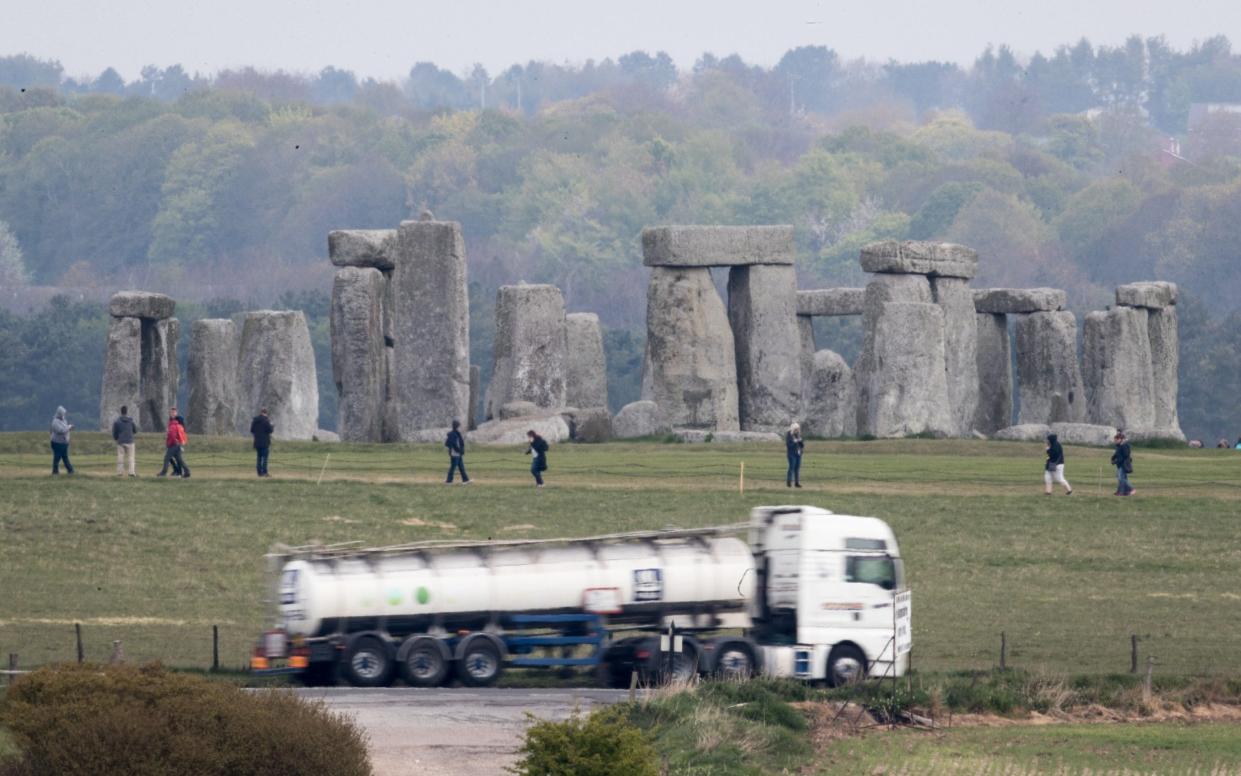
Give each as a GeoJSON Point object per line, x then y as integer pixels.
{"type": "Point", "coordinates": [86, 719]}
{"type": "Point", "coordinates": [602, 743]}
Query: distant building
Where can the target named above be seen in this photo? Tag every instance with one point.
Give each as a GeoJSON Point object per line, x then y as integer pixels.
{"type": "Point", "coordinates": [1199, 111]}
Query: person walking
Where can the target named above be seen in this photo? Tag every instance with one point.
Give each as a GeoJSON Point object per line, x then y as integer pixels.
{"type": "Point", "coordinates": [261, 429]}
{"type": "Point", "coordinates": [1122, 459]}
{"type": "Point", "coordinates": [794, 446]}
{"type": "Point", "coordinates": [1053, 470]}
{"type": "Point", "coordinates": [455, 443]}
{"type": "Point", "coordinates": [174, 443]}
{"type": "Point", "coordinates": [60, 441]}
{"type": "Point", "coordinates": [538, 448]}
{"type": "Point", "coordinates": [123, 432]}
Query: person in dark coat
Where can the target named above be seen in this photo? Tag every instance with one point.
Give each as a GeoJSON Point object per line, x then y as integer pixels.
{"type": "Point", "coordinates": [1122, 459]}
{"type": "Point", "coordinates": [261, 428]}
{"type": "Point", "coordinates": [538, 448]}
{"type": "Point", "coordinates": [1053, 470]}
{"type": "Point", "coordinates": [794, 446]}
{"type": "Point", "coordinates": [123, 433]}
{"type": "Point", "coordinates": [456, 454]}
{"type": "Point", "coordinates": [61, 427]}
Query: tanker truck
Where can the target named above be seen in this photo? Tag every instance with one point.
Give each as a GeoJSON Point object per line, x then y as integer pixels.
{"type": "Point", "coordinates": [811, 595]}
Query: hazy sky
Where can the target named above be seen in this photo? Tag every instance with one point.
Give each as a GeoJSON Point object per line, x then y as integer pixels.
{"type": "Point", "coordinates": [383, 38]}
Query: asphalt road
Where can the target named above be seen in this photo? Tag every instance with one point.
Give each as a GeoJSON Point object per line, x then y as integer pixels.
{"type": "Point", "coordinates": [451, 731]}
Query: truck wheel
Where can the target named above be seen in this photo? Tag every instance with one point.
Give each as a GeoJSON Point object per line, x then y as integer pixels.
{"type": "Point", "coordinates": [368, 662]}
{"type": "Point", "coordinates": [425, 663]}
{"type": "Point", "coordinates": [734, 660]}
{"type": "Point", "coordinates": [480, 663]}
{"type": "Point", "coordinates": [845, 665]}
{"type": "Point", "coordinates": [680, 667]}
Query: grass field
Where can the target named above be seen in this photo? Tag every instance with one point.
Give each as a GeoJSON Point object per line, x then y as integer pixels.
{"type": "Point", "coordinates": [156, 563]}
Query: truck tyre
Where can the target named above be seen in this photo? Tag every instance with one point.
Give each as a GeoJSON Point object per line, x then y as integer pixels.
{"type": "Point", "coordinates": [480, 663]}
{"type": "Point", "coordinates": [845, 665]}
{"type": "Point", "coordinates": [734, 660]}
{"type": "Point", "coordinates": [424, 662]}
{"type": "Point", "coordinates": [368, 662]}
{"type": "Point", "coordinates": [680, 667]}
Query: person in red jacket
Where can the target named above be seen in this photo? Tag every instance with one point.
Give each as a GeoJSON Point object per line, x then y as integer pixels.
{"type": "Point", "coordinates": [174, 443]}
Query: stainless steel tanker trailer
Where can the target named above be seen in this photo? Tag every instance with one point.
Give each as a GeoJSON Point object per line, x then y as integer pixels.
{"type": "Point", "coordinates": [811, 595]}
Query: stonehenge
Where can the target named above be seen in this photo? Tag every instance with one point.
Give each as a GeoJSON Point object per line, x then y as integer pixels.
{"type": "Point", "coordinates": [1048, 376]}
{"type": "Point", "coordinates": [215, 392]}
{"type": "Point", "coordinates": [359, 364]}
{"type": "Point", "coordinates": [586, 372]}
{"type": "Point", "coordinates": [830, 409]}
{"type": "Point", "coordinates": [140, 361]}
{"type": "Point", "coordinates": [276, 370]}
{"type": "Point", "coordinates": [994, 364]}
{"type": "Point", "coordinates": [762, 311]}
{"type": "Point", "coordinates": [529, 351]}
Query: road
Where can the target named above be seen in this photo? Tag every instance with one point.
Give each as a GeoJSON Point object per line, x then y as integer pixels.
{"type": "Point", "coordinates": [436, 732]}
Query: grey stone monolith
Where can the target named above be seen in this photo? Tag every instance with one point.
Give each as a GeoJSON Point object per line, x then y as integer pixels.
{"type": "Point", "coordinates": [530, 349]}
{"type": "Point", "coordinates": [276, 369]}
{"type": "Point", "coordinates": [831, 398]}
{"type": "Point", "coordinates": [917, 257]}
{"type": "Point", "coordinates": [215, 393]}
{"type": "Point", "coordinates": [122, 372]}
{"type": "Point", "coordinates": [1116, 367]}
{"type": "Point", "coordinates": [762, 310]}
{"type": "Point", "coordinates": [430, 327]}
{"type": "Point", "coordinates": [359, 365]}
{"type": "Point", "coordinates": [995, 374]}
{"type": "Point", "coordinates": [690, 368]}
{"type": "Point", "coordinates": [1084, 434]}
{"type": "Point", "coordinates": [586, 368]}
{"type": "Point", "coordinates": [1165, 363]}
{"type": "Point", "coordinates": [637, 419]}
{"type": "Point", "coordinates": [1048, 376]}
{"type": "Point", "coordinates": [956, 298]}
{"type": "Point", "coordinates": [552, 427]}
{"type": "Point", "coordinates": [141, 304]}
{"type": "Point", "coordinates": [589, 424]}
{"type": "Point", "coordinates": [1024, 432]}
{"type": "Point", "coordinates": [363, 248]}
{"type": "Point", "coordinates": [881, 290]}
{"type": "Point", "coordinates": [160, 372]}
{"type": "Point", "coordinates": [906, 381]}
{"type": "Point", "coordinates": [717, 246]}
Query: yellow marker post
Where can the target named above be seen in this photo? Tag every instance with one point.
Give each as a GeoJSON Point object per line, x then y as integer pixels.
{"type": "Point", "coordinates": [741, 480]}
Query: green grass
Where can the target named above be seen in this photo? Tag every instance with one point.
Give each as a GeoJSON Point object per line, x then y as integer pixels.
{"type": "Point", "coordinates": [1069, 749]}
{"type": "Point", "coordinates": [156, 563]}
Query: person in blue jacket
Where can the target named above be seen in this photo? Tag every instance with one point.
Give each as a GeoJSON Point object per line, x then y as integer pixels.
{"type": "Point", "coordinates": [456, 454]}
{"type": "Point", "coordinates": [538, 448]}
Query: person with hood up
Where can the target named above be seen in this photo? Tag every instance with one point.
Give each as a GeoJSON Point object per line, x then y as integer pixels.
{"type": "Point", "coordinates": [60, 441]}
{"type": "Point", "coordinates": [261, 429]}
{"type": "Point", "coordinates": [123, 432]}
{"type": "Point", "coordinates": [1122, 459]}
{"type": "Point", "coordinates": [455, 443]}
{"type": "Point", "coordinates": [174, 443]}
{"type": "Point", "coordinates": [794, 445]}
{"type": "Point", "coordinates": [538, 448]}
{"type": "Point", "coordinates": [1053, 470]}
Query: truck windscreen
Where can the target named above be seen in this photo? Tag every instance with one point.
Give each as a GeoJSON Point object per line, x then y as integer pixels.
{"type": "Point", "coordinates": [871, 569]}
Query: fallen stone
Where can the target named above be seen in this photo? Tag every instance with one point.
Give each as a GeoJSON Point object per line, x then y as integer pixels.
{"type": "Point", "coordinates": [530, 349]}
{"type": "Point", "coordinates": [1116, 361]}
{"type": "Point", "coordinates": [638, 419]}
{"type": "Point", "coordinates": [690, 368]}
{"type": "Point", "coordinates": [1048, 376]}
{"type": "Point", "coordinates": [956, 299]}
{"type": "Point", "coordinates": [1083, 434]}
{"type": "Point", "coordinates": [122, 373]}
{"type": "Point", "coordinates": [375, 248]}
{"type": "Point", "coordinates": [586, 368]}
{"type": "Point", "coordinates": [552, 427]}
{"type": "Point", "coordinates": [831, 398]}
{"type": "Point", "coordinates": [141, 304]}
{"type": "Point", "coordinates": [277, 371]}
{"type": "Point", "coordinates": [519, 409]}
{"type": "Point", "coordinates": [1008, 301]}
{"type": "Point", "coordinates": [762, 310]}
{"type": "Point", "coordinates": [358, 358]}
{"type": "Point", "coordinates": [323, 435]}
{"type": "Point", "coordinates": [160, 372]}
{"type": "Point", "coordinates": [215, 393]}
{"type": "Point", "coordinates": [589, 425]}
{"type": "Point", "coordinates": [700, 436]}
{"type": "Point", "coordinates": [717, 246]}
{"type": "Point", "coordinates": [1024, 432]}
{"type": "Point", "coordinates": [1154, 295]}
{"type": "Point", "coordinates": [995, 374]}
{"type": "Point", "coordinates": [1165, 364]}
{"type": "Point", "coordinates": [831, 301]}
{"type": "Point", "coordinates": [431, 327]}
{"type": "Point", "coordinates": [915, 257]}
{"type": "Point", "coordinates": [907, 386]}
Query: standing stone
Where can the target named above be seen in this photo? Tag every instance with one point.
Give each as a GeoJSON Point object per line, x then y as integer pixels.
{"type": "Point", "coordinates": [1048, 376]}
{"type": "Point", "coordinates": [956, 298]}
{"type": "Point", "coordinates": [530, 348]}
{"type": "Point", "coordinates": [586, 369]}
{"type": "Point", "coordinates": [358, 359]}
{"type": "Point", "coordinates": [277, 371]}
{"type": "Point", "coordinates": [831, 398]}
{"type": "Point", "coordinates": [906, 383]}
{"type": "Point", "coordinates": [1117, 367]}
{"type": "Point", "coordinates": [476, 384]}
{"type": "Point", "coordinates": [881, 290]}
{"type": "Point", "coordinates": [805, 332]}
{"type": "Point", "coordinates": [122, 372]}
{"type": "Point", "coordinates": [762, 309]}
{"type": "Point", "coordinates": [995, 374]}
{"type": "Point", "coordinates": [689, 369]}
{"type": "Point", "coordinates": [1165, 363]}
{"type": "Point", "coordinates": [160, 372]}
{"type": "Point", "coordinates": [430, 327]}
{"type": "Point", "coordinates": [215, 394]}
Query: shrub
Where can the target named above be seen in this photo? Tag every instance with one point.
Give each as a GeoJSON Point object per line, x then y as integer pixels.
{"type": "Point", "coordinates": [85, 719]}
{"type": "Point", "coordinates": [600, 744]}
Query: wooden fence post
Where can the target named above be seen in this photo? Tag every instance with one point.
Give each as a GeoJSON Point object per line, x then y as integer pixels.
{"type": "Point", "coordinates": [12, 667]}
{"type": "Point", "coordinates": [1146, 684]}
{"type": "Point", "coordinates": [77, 629]}
{"type": "Point", "coordinates": [1003, 651]}
{"type": "Point", "coordinates": [1133, 654]}
{"type": "Point", "coordinates": [215, 648]}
